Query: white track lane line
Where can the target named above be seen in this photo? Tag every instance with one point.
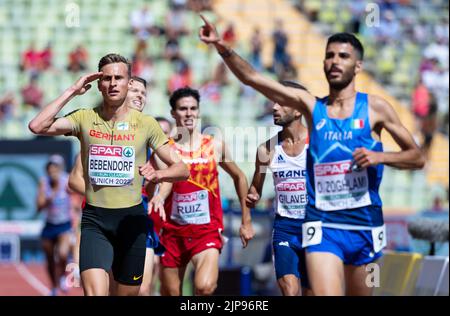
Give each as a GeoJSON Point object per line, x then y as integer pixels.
{"type": "Point", "coordinates": [29, 277]}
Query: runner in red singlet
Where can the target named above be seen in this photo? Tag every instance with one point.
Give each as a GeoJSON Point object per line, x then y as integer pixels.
{"type": "Point", "coordinates": [193, 211]}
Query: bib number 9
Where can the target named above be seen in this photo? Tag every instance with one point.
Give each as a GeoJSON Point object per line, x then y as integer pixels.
{"type": "Point", "coordinates": [379, 238]}
{"type": "Point", "coordinates": [312, 233]}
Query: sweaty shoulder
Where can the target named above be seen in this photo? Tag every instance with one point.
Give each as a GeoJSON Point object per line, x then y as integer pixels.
{"type": "Point", "coordinates": [79, 113]}
{"type": "Point", "coordinates": [381, 111]}
{"type": "Point", "coordinates": [78, 117]}
{"type": "Point", "coordinates": [147, 120]}
{"type": "Point", "coordinates": [377, 103]}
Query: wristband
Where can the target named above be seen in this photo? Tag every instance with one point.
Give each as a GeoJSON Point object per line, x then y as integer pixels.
{"type": "Point", "coordinates": [226, 54]}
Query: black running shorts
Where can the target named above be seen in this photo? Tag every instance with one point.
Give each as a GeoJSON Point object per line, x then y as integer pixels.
{"type": "Point", "coordinates": [114, 239]}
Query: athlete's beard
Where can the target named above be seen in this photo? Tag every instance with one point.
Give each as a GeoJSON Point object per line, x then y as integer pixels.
{"type": "Point", "coordinates": [347, 78]}
{"type": "Point", "coordinates": [284, 121]}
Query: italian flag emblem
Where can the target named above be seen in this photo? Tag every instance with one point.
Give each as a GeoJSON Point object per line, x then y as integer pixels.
{"type": "Point", "coordinates": [357, 124]}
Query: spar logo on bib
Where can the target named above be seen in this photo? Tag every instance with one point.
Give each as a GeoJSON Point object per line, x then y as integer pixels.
{"type": "Point", "coordinates": [331, 169]}
{"type": "Point", "coordinates": [190, 197]}
{"type": "Point", "coordinates": [108, 151]}
{"type": "Point", "coordinates": [111, 165]}
{"type": "Point", "coordinates": [337, 187]}
{"type": "Point", "coordinates": [190, 208]}
{"type": "Point", "coordinates": [291, 186]}
{"type": "Point", "coordinates": [128, 152]}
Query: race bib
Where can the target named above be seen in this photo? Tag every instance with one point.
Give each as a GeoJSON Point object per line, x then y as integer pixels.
{"type": "Point", "coordinates": [111, 165]}
{"type": "Point", "coordinates": [312, 233]}
{"type": "Point", "coordinates": [291, 199]}
{"type": "Point", "coordinates": [338, 187]}
{"type": "Point", "coordinates": [190, 208]}
{"type": "Point", "coordinates": [379, 238]}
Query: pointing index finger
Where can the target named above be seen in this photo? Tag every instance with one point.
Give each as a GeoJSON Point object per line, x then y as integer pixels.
{"type": "Point", "coordinates": [205, 20]}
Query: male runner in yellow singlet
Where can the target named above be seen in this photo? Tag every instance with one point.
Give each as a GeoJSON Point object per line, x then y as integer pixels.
{"type": "Point", "coordinates": [114, 140]}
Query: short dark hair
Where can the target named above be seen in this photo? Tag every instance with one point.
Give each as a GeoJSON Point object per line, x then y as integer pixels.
{"type": "Point", "coordinates": [113, 59]}
{"type": "Point", "coordinates": [162, 119]}
{"type": "Point", "coordinates": [293, 84]}
{"type": "Point", "coordinates": [182, 93]}
{"type": "Point", "coordinates": [348, 38]}
{"type": "Point", "coordinates": [139, 79]}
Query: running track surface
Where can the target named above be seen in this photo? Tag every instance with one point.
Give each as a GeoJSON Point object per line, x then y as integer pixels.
{"type": "Point", "coordinates": [28, 280]}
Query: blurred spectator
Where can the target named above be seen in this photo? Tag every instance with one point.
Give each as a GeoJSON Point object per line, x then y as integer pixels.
{"type": "Point", "coordinates": [439, 51]}
{"type": "Point", "coordinates": [199, 5]}
{"type": "Point", "coordinates": [181, 78]}
{"type": "Point", "coordinates": [421, 32]}
{"type": "Point", "coordinates": [429, 127]}
{"type": "Point", "coordinates": [357, 9]}
{"type": "Point", "coordinates": [142, 23]}
{"type": "Point", "coordinates": [389, 28]}
{"type": "Point", "coordinates": [31, 94]}
{"type": "Point", "coordinates": [420, 100]}
{"type": "Point", "coordinates": [229, 35]}
{"type": "Point", "coordinates": [46, 57]}
{"type": "Point", "coordinates": [441, 29]}
{"type": "Point", "coordinates": [310, 8]}
{"type": "Point", "coordinates": [256, 47]}
{"type": "Point", "coordinates": [437, 207]}
{"type": "Point", "coordinates": [437, 81]}
{"type": "Point", "coordinates": [177, 4]}
{"type": "Point", "coordinates": [8, 105]}
{"type": "Point", "coordinates": [211, 90]}
{"type": "Point", "coordinates": [78, 59]}
{"type": "Point", "coordinates": [281, 58]}
{"type": "Point", "coordinates": [142, 66]}
{"type": "Point", "coordinates": [35, 61]}
{"type": "Point", "coordinates": [143, 26]}
{"type": "Point", "coordinates": [387, 5]}
{"type": "Point", "coordinates": [176, 22]}
{"type": "Point", "coordinates": [221, 74]}
{"type": "Point", "coordinates": [172, 50]}
{"type": "Point", "coordinates": [425, 65]}
{"type": "Point", "coordinates": [31, 60]}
